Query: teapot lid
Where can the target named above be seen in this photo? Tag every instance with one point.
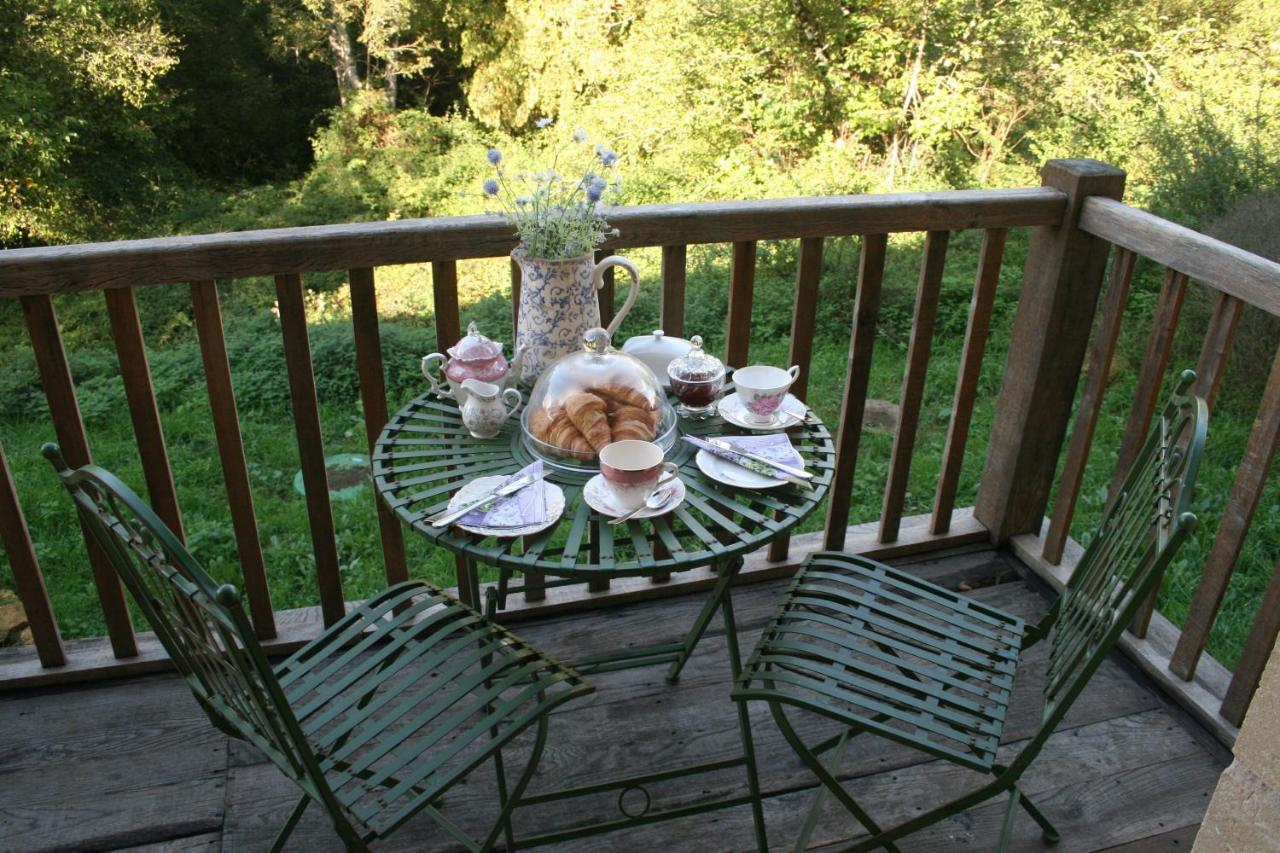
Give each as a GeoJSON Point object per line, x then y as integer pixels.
{"type": "Point", "coordinates": [475, 346]}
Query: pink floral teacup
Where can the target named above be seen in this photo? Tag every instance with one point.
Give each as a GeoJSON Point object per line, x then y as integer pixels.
{"type": "Point", "coordinates": [762, 389]}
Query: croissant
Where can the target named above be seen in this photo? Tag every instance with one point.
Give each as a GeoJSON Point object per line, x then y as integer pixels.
{"type": "Point", "coordinates": [634, 423]}
{"type": "Point", "coordinates": [568, 441]}
{"type": "Point", "coordinates": [540, 424]}
{"type": "Point", "coordinates": [623, 395]}
{"type": "Point", "coordinates": [587, 412]}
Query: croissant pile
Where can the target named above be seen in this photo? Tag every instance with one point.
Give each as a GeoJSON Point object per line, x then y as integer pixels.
{"type": "Point", "coordinates": [590, 419]}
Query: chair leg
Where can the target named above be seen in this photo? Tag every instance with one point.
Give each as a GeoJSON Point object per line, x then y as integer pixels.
{"type": "Point", "coordinates": [1048, 831]}
{"type": "Point", "coordinates": [290, 824]}
{"type": "Point", "coordinates": [829, 781]}
{"type": "Point", "coordinates": [815, 808]}
{"type": "Point", "coordinates": [1010, 814]}
{"type": "Point", "coordinates": [503, 822]}
{"type": "Point", "coordinates": [744, 728]}
{"type": "Point", "coordinates": [500, 772]}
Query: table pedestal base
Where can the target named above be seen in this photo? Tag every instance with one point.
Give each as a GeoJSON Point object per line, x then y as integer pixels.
{"type": "Point", "coordinates": [633, 789]}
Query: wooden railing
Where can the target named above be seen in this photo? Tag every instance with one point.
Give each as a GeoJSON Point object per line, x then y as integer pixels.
{"type": "Point", "coordinates": [1076, 218]}
{"type": "Point", "coordinates": [1237, 278]}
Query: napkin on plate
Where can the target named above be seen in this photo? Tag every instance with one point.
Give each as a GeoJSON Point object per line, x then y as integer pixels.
{"type": "Point", "coordinates": [776, 447]}
{"type": "Point", "coordinates": [526, 507]}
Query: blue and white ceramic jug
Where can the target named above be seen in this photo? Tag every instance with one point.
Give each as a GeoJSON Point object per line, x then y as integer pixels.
{"type": "Point", "coordinates": [558, 306]}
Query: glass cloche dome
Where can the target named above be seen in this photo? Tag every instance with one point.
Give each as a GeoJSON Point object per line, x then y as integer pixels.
{"type": "Point", "coordinates": [590, 398]}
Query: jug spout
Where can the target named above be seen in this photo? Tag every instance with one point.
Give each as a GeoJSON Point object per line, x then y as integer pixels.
{"type": "Point", "coordinates": [480, 390]}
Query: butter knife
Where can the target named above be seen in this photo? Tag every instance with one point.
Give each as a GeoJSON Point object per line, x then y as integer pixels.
{"type": "Point", "coordinates": [441, 519]}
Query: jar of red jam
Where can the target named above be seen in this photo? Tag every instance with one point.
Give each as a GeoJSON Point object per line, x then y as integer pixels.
{"type": "Point", "coordinates": [696, 380]}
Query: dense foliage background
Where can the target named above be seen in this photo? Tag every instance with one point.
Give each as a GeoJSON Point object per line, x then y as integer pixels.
{"type": "Point", "coordinates": [126, 117]}
{"type": "Point", "coordinates": [123, 118]}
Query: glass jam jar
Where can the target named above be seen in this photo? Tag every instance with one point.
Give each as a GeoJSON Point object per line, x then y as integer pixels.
{"type": "Point", "coordinates": [696, 380]}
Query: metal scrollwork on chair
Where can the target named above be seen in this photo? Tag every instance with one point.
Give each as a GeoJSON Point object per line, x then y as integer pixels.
{"type": "Point", "coordinates": [377, 717]}
{"type": "Point", "coordinates": [879, 650]}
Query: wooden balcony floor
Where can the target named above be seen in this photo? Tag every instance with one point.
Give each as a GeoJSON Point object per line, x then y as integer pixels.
{"type": "Point", "coordinates": [134, 764]}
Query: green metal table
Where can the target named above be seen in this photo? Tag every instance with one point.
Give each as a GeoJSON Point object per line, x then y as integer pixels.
{"type": "Point", "coordinates": [425, 454]}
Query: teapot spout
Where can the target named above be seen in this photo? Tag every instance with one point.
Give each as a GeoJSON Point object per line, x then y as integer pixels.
{"type": "Point", "coordinates": [517, 361]}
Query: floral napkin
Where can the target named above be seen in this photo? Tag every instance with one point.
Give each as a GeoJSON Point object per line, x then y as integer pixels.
{"type": "Point", "coordinates": [525, 508]}
{"type": "Point", "coordinates": [776, 447]}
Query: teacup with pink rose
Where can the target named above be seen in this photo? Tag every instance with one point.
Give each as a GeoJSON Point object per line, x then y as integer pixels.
{"type": "Point", "coordinates": [762, 390]}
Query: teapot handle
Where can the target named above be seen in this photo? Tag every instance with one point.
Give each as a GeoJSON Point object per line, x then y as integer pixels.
{"type": "Point", "coordinates": [437, 385]}
{"type": "Point", "coordinates": [597, 282]}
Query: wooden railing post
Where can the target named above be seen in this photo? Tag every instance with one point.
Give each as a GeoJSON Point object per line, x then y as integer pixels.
{"type": "Point", "coordinates": [64, 410]}
{"type": "Point", "coordinates": [1060, 286]}
{"type": "Point", "coordinates": [207, 312]}
{"type": "Point", "coordinates": [126, 330]}
{"type": "Point", "coordinates": [310, 436]}
{"type": "Point", "coordinates": [373, 396]}
{"type": "Point", "coordinates": [15, 539]}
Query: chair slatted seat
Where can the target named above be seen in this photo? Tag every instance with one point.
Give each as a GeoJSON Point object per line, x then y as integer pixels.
{"type": "Point", "coordinates": [878, 650]}
{"type": "Point", "coordinates": [375, 719]}
{"type": "Point", "coordinates": [934, 670]}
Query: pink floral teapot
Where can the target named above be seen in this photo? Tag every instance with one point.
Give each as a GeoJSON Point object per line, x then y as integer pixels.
{"type": "Point", "coordinates": [473, 357]}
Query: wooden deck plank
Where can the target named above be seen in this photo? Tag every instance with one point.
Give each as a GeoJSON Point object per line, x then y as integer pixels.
{"type": "Point", "coordinates": [51, 730]}
{"type": "Point", "coordinates": [205, 842]}
{"type": "Point", "coordinates": [1075, 782]}
{"type": "Point", "coordinates": [1175, 841]}
{"type": "Point", "coordinates": [1123, 769]}
{"type": "Point", "coordinates": [133, 786]}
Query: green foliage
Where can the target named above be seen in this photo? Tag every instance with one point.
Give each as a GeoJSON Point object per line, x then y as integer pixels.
{"type": "Point", "coordinates": [239, 110]}
{"type": "Point", "coordinates": [77, 83]}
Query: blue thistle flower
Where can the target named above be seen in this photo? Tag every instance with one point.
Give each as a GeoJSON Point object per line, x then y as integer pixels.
{"type": "Point", "coordinates": [491, 186]}
{"type": "Point", "coordinates": [579, 135]}
{"type": "Point", "coordinates": [607, 156]}
{"type": "Point", "coordinates": [495, 156]}
{"type": "Point", "coordinates": [595, 188]}
{"type": "Point", "coordinates": [544, 122]}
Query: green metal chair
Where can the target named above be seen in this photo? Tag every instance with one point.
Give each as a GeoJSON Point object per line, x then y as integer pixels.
{"type": "Point", "coordinates": [375, 719]}
{"type": "Point", "coordinates": [877, 650]}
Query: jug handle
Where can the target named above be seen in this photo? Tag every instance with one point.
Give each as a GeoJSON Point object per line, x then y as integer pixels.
{"type": "Point", "coordinates": [597, 282]}
{"type": "Point", "coordinates": [513, 395]}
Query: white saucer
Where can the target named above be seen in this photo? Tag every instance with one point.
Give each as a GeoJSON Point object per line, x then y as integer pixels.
{"type": "Point", "coordinates": [477, 487]}
{"type": "Point", "coordinates": [598, 497]}
{"type": "Point", "coordinates": [792, 410]}
{"type": "Point", "coordinates": [730, 474]}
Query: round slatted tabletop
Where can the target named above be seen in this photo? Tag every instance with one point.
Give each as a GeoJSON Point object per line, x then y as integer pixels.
{"type": "Point", "coordinates": [425, 454]}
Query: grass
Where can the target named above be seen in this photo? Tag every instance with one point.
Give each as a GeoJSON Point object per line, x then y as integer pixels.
{"type": "Point", "coordinates": [404, 295]}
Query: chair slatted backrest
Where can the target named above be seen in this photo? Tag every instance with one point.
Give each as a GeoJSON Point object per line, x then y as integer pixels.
{"type": "Point", "coordinates": [1138, 536]}
{"type": "Point", "coordinates": [201, 624]}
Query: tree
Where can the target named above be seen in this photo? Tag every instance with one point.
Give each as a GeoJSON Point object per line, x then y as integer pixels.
{"type": "Point", "coordinates": [396, 38]}
{"type": "Point", "coordinates": [78, 82]}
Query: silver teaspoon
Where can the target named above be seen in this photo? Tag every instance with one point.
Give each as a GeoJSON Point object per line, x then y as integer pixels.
{"type": "Point", "coordinates": [654, 500]}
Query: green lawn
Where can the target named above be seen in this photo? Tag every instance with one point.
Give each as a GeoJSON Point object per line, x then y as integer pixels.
{"type": "Point", "coordinates": [262, 388]}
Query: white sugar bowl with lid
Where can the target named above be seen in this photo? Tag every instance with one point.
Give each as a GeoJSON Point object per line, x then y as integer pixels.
{"type": "Point", "coordinates": [657, 351]}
